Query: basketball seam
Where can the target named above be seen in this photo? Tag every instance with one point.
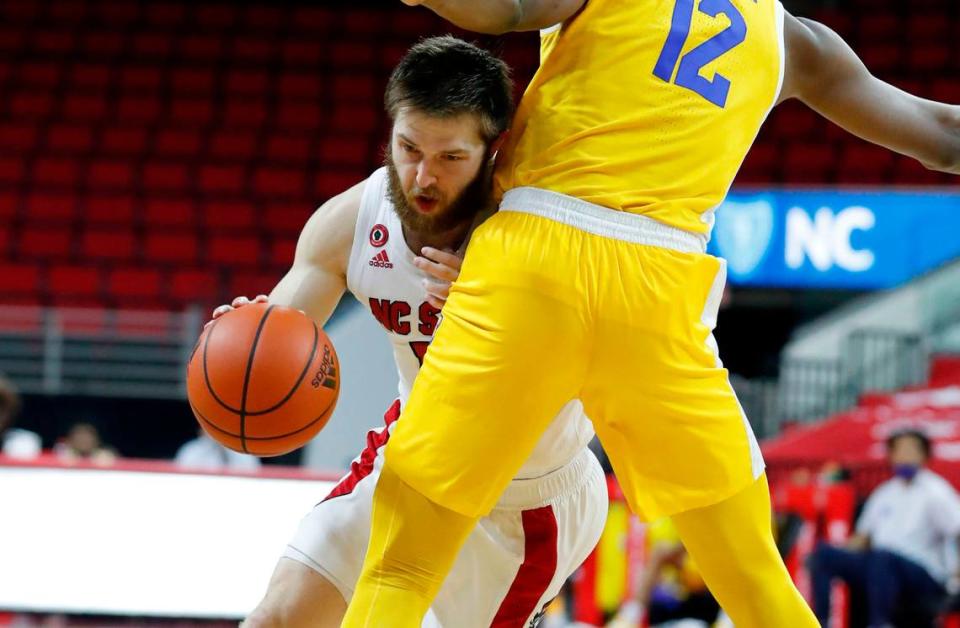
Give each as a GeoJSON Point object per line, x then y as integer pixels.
{"type": "Point", "coordinates": [261, 438]}
{"type": "Point", "coordinates": [226, 406]}
{"type": "Point", "coordinates": [246, 379]}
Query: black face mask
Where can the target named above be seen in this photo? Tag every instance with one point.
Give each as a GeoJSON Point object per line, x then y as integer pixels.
{"type": "Point", "coordinates": [473, 199]}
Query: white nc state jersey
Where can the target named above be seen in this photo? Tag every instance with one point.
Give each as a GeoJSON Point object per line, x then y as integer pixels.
{"type": "Point", "coordinates": [381, 275]}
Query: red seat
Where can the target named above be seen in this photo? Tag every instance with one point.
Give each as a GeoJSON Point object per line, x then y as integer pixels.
{"type": "Point", "coordinates": [294, 116]}
{"type": "Point", "coordinates": [68, 138]}
{"type": "Point", "coordinates": [5, 239]}
{"type": "Point", "coordinates": [291, 149]}
{"type": "Point", "coordinates": [345, 151]}
{"type": "Point", "coordinates": [251, 284]}
{"type": "Point", "coordinates": [282, 251]}
{"type": "Point", "coordinates": [194, 286]}
{"type": "Point", "coordinates": [809, 163]}
{"type": "Point", "coordinates": [244, 112]}
{"type": "Point", "coordinates": [177, 212]}
{"type": "Point", "coordinates": [140, 79]}
{"type": "Point", "coordinates": [110, 210]}
{"type": "Point", "coordinates": [104, 43]}
{"type": "Point", "coordinates": [108, 244]}
{"type": "Point", "coordinates": [330, 182]}
{"type": "Point", "coordinates": [162, 14]}
{"type": "Point", "coordinates": [285, 218]}
{"type": "Point", "coordinates": [59, 172]}
{"type": "Point", "coordinates": [311, 19]}
{"type": "Point", "coordinates": [226, 215]}
{"type": "Point", "coordinates": [74, 281]}
{"type": "Point", "coordinates": [85, 108]}
{"type": "Point", "coordinates": [41, 74]}
{"type": "Point", "coordinates": [248, 82]}
{"type": "Point", "coordinates": [175, 246]}
{"type": "Point", "coordinates": [152, 46]}
{"type": "Point", "coordinates": [50, 207]}
{"type": "Point", "coordinates": [234, 250]}
{"type": "Point", "coordinates": [9, 204]}
{"type": "Point", "coordinates": [233, 144]}
{"type": "Point", "coordinates": [117, 12]}
{"type": "Point", "coordinates": [18, 280]}
{"type": "Point", "coordinates": [166, 177]}
{"type": "Point", "coordinates": [12, 169]}
{"type": "Point", "coordinates": [261, 17]}
{"type": "Point", "coordinates": [253, 50]}
{"type": "Point", "coordinates": [124, 141]}
{"type": "Point", "coordinates": [44, 242]}
{"type": "Point", "coordinates": [363, 88]}
{"type": "Point", "coordinates": [864, 163]}
{"type": "Point", "coordinates": [879, 27]}
{"type": "Point", "coordinates": [91, 75]}
{"type": "Point", "coordinates": [54, 42]}
{"type": "Point", "coordinates": [276, 182]}
{"type": "Point", "coordinates": [761, 164]}
{"type": "Point", "coordinates": [930, 58]}
{"type": "Point", "coordinates": [139, 109]}
{"type": "Point", "coordinates": [365, 23]}
{"type": "Point", "coordinates": [301, 86]}
{"type": "Point", "coordinates": [216, 16]}
{"type": "Point", "coordinates": [201, 48]}
{"type": "Point", "coordinates": [222, 179]}
{"type": "Point", "coordinates": [911, 172]}
{"type": "Point", "coordinates": [352, 54]}
{"type": "Point", "coordinates": [111, 175]}
{"type": "Point", "coordinates": [191, 110]}
{"type": "Point", "coordinates": [30, 105]}
{"type": "Point", "coordinates": [302, 52]}
{"type": "Point", "coordinates": [883, 58]}
{"type": "Point", "coordinates": [18, 137]}
{"type": "Point", "coordinates": [178, 143]}
{"type": "Point", "coordinates": [135, 284]}
{"type": "Point", "coordinates": [193, 81]}
{"type": "Point", "coordinates": [359, 120]}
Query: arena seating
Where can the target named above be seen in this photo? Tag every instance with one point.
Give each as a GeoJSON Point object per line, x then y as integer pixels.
{"type": "Point", "coordinates": [160, 154]}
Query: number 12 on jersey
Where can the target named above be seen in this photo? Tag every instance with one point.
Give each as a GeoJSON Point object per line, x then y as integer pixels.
{"type": "Point", "coordinates": [688, 74]}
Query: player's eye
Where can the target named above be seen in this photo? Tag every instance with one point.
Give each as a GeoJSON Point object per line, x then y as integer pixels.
{"type": "Point", "coordinates": [407, 147]}
{"type": "Point", "coordinates": [453, 158]}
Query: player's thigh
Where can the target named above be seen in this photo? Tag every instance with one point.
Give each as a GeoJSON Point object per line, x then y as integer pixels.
{"type": "Point", "coordinates": [508, 354]}
{"type": "Point", "coordinates": [660, 400]}
{"type": "Point", "coordinates": [296, 597]}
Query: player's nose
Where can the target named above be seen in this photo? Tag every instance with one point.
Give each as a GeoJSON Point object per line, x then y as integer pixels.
{"type": "Point", "coordinates": [425, 177]}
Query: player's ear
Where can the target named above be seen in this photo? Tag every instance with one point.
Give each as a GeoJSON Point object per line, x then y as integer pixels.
{"type": "Point", "coordinates": [497, 144]}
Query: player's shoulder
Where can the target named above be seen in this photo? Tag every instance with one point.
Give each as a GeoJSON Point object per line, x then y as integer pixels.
{"type": "Point", "coordinates": [935, 483]}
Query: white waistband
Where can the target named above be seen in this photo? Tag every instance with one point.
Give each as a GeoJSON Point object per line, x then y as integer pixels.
{"type": "Point", "coordinates": [601, 221]}
{"type": "Point", "coordinates": [538, 492]}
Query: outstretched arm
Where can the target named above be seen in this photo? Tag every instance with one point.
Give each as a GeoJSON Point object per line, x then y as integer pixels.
{"type": "Point", "coordinates": [826, 74]}
{"type": "Point", "coordinates": [496, 17]}
{"type": "Point", "coordinates": [318, 277]}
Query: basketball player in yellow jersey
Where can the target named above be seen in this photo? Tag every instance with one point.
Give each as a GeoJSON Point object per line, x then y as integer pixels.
{"type": "Point", "coordinates": [592, 282]}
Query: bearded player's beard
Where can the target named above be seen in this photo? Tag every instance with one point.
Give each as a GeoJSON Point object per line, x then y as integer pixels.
{"type": "Point", "coordinates": [474, 198]}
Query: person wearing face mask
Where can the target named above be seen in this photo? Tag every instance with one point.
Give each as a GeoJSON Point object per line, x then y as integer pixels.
{"type": "Point", "coordinates": [901, 561]}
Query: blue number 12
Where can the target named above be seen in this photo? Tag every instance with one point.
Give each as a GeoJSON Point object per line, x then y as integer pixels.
{"type": "Point", "coordinates": [688, 75]}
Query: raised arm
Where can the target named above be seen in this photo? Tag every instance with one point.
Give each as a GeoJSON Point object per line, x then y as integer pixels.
{"type": "Point", "coordinates": [496, 17]}
{"type": "Point", "coordinates": [318, 278]}
{"type": "Point", "coordinates": [826, 74]}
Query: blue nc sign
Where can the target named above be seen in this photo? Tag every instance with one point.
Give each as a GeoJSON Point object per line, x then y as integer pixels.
{"type": "Point", "coordinates": [831, 239]}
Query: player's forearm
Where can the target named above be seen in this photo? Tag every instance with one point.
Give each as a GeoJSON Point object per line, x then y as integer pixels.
{"type": "Point", "coordinates": [311, 290]}
{"type": "Point", "coordinates": [493, 17]}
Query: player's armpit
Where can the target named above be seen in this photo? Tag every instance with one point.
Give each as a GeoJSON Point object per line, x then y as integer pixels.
{"type": "Point", "coordinates": [826, 74]}
{"type": "Point", "coordinates": [318, 278]}
{"type": "Point", "coordinates": [503, 16]}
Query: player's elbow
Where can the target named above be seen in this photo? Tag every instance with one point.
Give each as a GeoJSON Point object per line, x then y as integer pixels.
{"type": "Point", "coordinates": [946, 156]}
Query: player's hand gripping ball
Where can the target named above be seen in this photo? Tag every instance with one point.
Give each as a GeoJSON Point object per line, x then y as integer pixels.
{"type": "Point", "coordinates": [263, 379]}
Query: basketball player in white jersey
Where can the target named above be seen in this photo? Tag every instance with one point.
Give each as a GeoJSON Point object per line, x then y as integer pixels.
{"type": "Point", "coordinates": [395, 241]}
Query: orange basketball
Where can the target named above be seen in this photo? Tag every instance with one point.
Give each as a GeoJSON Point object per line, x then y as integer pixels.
{"type": "Point", "coordinates": [263, 379]}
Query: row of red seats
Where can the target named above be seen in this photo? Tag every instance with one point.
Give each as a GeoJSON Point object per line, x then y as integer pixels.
{"type": "Point", "coordinates": [120, 247]}
{"type": "Point", "coordinates": [148, 287]}
{"type": "Point", "coordinates": [176, 178]}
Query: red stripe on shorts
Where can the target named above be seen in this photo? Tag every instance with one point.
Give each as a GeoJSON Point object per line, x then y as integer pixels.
{"type": "Point", "coordinates": [363, 466]}
{"type": "Point", "coordinates": [537, 571]}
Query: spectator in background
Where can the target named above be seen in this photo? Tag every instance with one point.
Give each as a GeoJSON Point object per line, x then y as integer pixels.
{"type": "Point", "coordinates": [903, 555]}
{"type": "Point", "coordinates": [204, 453]}
{"type": "Point", "coordinates": [83, 443]}
{"type": "Point", "coordinates": [670, 589]}
{"type": "Point", "coordinates": [15, 443]}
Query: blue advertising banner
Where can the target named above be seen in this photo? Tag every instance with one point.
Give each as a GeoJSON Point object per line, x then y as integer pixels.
{"type": "Point", "coordinates": [835, 239]}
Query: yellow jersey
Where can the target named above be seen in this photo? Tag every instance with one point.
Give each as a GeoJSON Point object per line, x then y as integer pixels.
{"type": "Point", "coordinates": [648, 106]}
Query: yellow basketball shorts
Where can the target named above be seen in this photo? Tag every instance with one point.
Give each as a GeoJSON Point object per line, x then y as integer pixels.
{"type": "Point", "coordinates": [561, 299]}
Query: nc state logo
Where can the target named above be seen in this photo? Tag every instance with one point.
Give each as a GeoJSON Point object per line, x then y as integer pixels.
{"type": "Point", "coordinates": [379, 235]}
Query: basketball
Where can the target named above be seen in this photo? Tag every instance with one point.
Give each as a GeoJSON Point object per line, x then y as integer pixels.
{"type": "Point", "coordinates": [263, 379]}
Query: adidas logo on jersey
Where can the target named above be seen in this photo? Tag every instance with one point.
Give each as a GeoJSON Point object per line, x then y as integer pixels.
{"type": "Point", "coordinates": [381, 260]}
